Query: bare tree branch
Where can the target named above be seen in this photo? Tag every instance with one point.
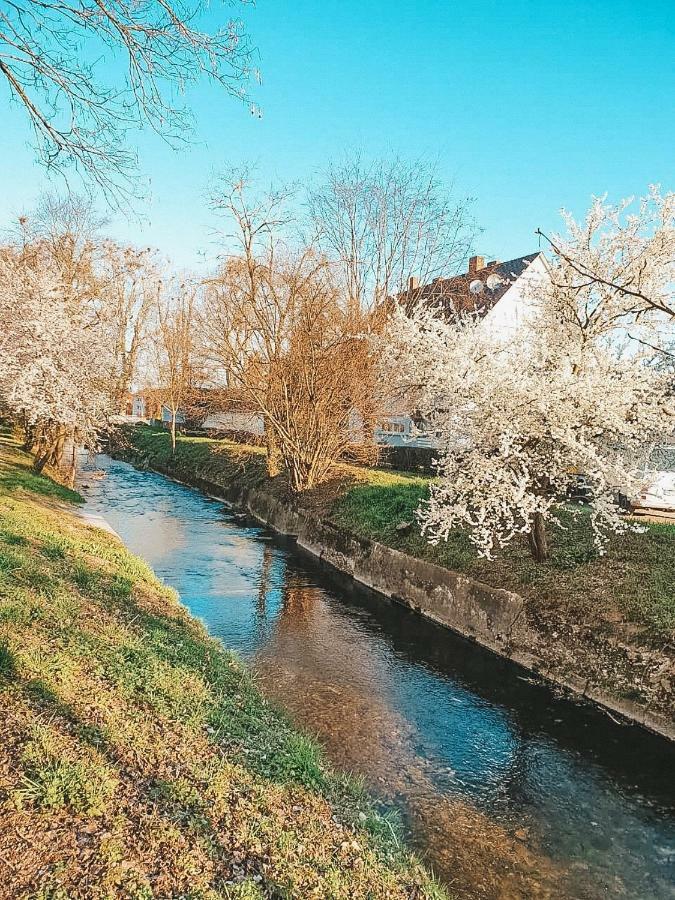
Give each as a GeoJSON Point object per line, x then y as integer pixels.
{"type": "Point", "coordinates": [56, 58]}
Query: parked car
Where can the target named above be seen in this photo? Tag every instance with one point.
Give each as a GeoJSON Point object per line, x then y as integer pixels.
{"type": "Point", "coordinates": [657, 494]}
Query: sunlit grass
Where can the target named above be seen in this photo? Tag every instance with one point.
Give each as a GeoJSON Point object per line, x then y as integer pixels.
{"type": "Point", "coordinates": [127, 727]}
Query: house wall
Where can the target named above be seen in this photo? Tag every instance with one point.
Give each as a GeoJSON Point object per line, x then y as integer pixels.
{"type": "Point", "coordinates": [519, 304]}
{"type": "Point", "coordinates": [510, 315]}
{"type": "Point", "coordinates": [399, 431]}
{"type": "Point", "coordinates": [251, 422]}
{"type": "Point", "coordinates": [166, 416]}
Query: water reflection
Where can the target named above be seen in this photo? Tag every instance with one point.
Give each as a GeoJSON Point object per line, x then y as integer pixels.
{"type": "Point", "coordinates": [511, 792]}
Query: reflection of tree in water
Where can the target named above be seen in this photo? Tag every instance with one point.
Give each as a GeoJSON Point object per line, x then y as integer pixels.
{"type": "Point", "coordinates": [336, 687]}
{"type": "Point", "coordinates": [264, 587]}
{"type": "Point", "coordinates": [298, 603]}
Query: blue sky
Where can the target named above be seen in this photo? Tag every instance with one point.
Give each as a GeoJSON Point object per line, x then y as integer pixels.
{"type": "Point", "coordinates": [525, 106]}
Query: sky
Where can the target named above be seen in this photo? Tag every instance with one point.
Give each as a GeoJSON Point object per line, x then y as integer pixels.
{"type": "Point", "coordinates": [527, 107]}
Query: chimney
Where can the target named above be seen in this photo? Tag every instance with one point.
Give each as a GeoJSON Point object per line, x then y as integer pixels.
{"type": "Point", "coordinates": [413, 283]}
{"type": "Point", "coordinates": [476, 263]}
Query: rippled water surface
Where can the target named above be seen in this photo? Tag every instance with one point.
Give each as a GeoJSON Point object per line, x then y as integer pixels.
{"type": "Point", "coordinates": [507, 790]}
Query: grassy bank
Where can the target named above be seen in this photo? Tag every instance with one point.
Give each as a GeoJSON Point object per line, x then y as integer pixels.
{"type": "Point", "coordinates": [633, 583]}
{"type": "Point", "coordinates": [138, 759]}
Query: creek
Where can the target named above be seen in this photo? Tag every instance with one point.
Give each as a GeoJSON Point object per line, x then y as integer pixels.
{"type": "Point", "coordinates": [506, 789]}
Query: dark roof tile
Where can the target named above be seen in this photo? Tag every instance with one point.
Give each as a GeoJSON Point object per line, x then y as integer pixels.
{"type": "Point", "coordinates": [454, 295]}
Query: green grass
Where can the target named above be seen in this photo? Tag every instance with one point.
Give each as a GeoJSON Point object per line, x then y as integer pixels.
{"type": "Point", "coordinates": [138, 753]}
{"type": "Point", "coordinates": [20, 477]}
{"type": "Point", "coordinates": [51, 781]}
{"type": "Point", "coordinates": [219, 461]}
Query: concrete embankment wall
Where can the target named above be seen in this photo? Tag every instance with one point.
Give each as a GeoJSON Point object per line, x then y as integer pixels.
{"type": "Point", "coordinates": [495, 618]}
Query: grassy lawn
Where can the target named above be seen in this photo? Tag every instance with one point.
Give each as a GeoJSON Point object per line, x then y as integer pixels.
{"type": "Point", "coordinates": [632, 585]}
{"type": "Point", "coordinates": [138, 759]}
{"type": "Point", "coordinates": [220, 461]}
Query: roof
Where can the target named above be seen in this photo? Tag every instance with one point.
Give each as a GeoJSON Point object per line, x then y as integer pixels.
{"type": "Point", "coordinates": [455, 296]}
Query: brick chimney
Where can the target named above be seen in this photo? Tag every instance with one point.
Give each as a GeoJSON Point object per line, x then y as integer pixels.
{"type": "Point", "coordinates": [476, 263]}
{"type": "Point", "coordinates": [413, 283]}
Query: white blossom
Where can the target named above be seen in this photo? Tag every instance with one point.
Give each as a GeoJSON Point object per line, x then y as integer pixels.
{"type": "Point", "coordinates": [517, 421]}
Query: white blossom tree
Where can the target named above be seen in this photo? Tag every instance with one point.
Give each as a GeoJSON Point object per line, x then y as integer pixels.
{"type": "Point", "coordinates": [54, 357]}
{"type": "Point", "coordinates": [617, 269]}
{"type": "Point", "coordinates": [517, 422]}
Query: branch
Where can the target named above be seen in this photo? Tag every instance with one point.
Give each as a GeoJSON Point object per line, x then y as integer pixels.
{"type": "Point", "coordinates": [585, 272]}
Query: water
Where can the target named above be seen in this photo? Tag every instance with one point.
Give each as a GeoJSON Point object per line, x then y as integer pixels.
{"type": "Point", "coordinates": [508, 791]}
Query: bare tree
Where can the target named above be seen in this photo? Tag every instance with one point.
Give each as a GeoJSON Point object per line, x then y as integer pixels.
{"type": "Point", "coordinates": [175, 347]}
{"type": "Point", "coordinates": [248, 315]}
{"type": "Point", "coordinates": [278, 325]}
{"type": "Point", "coordinates": [128, 286]}
{"type": "Point", "coordinates": [52, 58]}
{"type": "Point", "coordinates": [67, 230]}
{"type": "Point", "coordinates": [387, 222]}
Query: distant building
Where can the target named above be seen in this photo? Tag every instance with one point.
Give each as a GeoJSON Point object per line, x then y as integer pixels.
{"type": "Point", "coordinates": [499, 293]}
{"type": "Point", "coordinates": [138, 406]}
{"type": "Point", "coordinates": [166, 416]}
{"type": "Point", "coordinates": [400, 431]}
{"type": "Point", "coordinates": [237, 420]}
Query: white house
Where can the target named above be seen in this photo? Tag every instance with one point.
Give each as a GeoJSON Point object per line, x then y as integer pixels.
{"type": "Point", "coordinates": [500, 293]}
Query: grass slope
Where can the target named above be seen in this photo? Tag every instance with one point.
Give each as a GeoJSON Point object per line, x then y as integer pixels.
{"type": "Point", "coordinates": [138, 759]}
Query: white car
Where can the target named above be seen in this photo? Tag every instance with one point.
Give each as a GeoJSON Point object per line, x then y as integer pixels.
{"type": "Point", "coordinates": [658, 491]}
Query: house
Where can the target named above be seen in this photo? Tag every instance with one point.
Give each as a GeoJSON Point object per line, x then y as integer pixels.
{"type": "Point", "coordinates": [138, 406]}
{"type": "Point", "coordinates": [235, 420]}
{"type": "Point", "coordinates": [167, 416]}
{"type": "Point", "coordinates": [401, 431]}
{"type": "Point", "coordinates": [216, 411]}
{"type": "Point", "coordinates": [499, 293]}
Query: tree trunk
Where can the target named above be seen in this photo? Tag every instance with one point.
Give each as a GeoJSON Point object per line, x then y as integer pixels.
{"type": "Point", "coordinates": [273, 453]}
{"type": "Point", "coordinates": [538, 539]}
{"type": "Point", "coordinates": [40, 462]}
{"type": "Point", "coordinates": [173, 433]}
{"type": "Point", "coordinates": [72, 471]}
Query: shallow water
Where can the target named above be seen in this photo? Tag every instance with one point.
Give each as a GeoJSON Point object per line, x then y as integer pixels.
{"type": "Point", "coordinates": [508, 791]}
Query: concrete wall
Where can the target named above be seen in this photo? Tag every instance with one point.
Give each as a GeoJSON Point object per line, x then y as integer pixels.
{"type": "Point", "coordinates": [493, 617]}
